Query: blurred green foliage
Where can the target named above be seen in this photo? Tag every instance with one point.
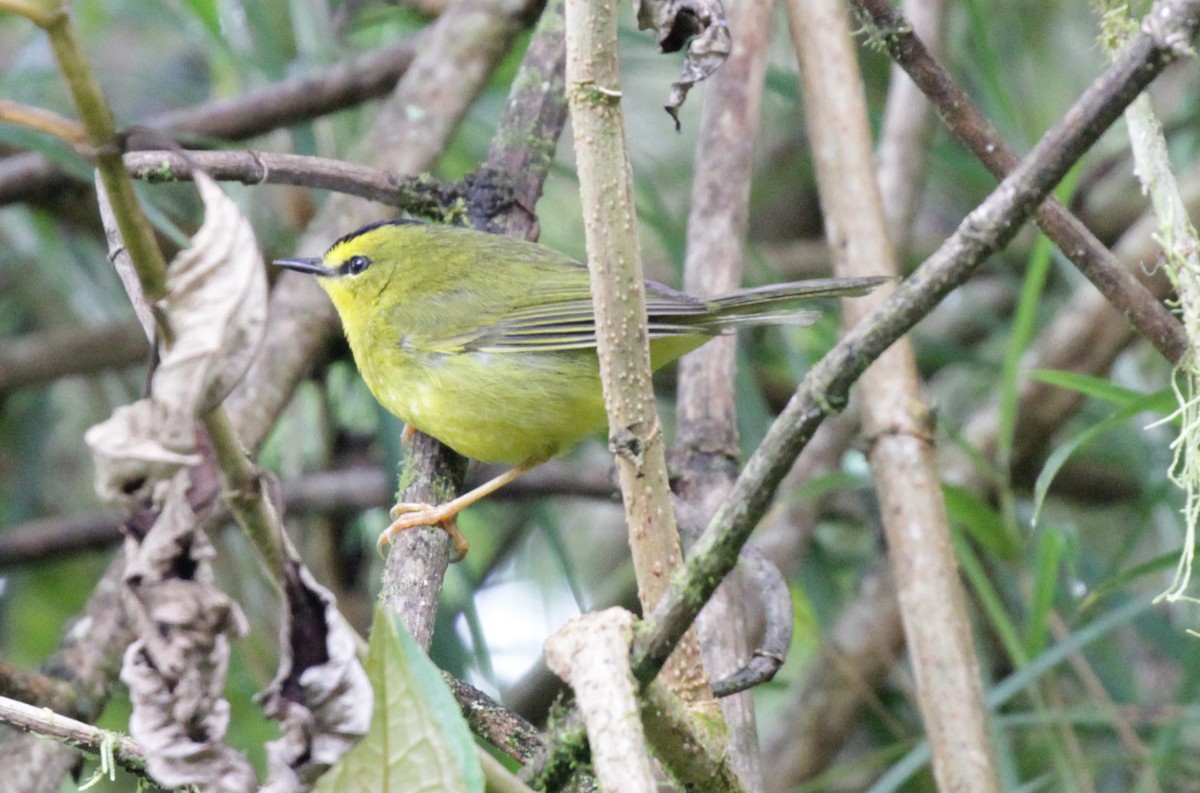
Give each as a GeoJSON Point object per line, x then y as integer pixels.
{"type": "Point", "coordinates": [1093, 550]}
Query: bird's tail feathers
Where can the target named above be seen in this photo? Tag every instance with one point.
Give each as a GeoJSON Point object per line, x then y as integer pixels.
{"type": "Point", "coordinates": [774, 304]}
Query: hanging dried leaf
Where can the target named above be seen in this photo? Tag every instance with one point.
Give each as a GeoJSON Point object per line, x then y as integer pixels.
{"type": "Point", "coordinates": [215, 308]}
{"type": "Point", "coordinates": [321, 696]}
{"type": "Point", "coordinates": [216, 304]}
{"type": "Point", "coordinates": [138, 446]}
{"type": "Point", "coordinates": [176, 668]}
{"type": "Point", "coordinates": [676, 22]}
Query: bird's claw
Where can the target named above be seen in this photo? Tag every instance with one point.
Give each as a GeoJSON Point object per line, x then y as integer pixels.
{"type": "Point", "coordinates": [406, 515]}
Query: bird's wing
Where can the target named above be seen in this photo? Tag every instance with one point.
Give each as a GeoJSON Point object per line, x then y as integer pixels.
{"type": "Point", "coordinates": [563, 319]}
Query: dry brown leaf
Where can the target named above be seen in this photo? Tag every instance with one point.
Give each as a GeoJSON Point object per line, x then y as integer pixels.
{"type": "Point", "coordinates": [702, 26]}
{"type": "Point", "coordinates": [137, 447]}
{"type": "Point", "coordinates": [217, 306]}
{"type": "Point", "coordinates": [321, 696]}
{"type": "Point", "coordinates": [176, 668]}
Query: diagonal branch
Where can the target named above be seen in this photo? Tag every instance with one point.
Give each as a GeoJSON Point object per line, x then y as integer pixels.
{"type": "Point", "coordinates": [1140, 307]}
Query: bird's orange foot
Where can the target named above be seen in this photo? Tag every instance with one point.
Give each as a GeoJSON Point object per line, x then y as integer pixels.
{"type": "Point", "coordinates": [406, 515]}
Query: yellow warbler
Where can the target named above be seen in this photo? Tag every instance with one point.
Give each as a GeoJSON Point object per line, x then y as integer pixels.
{"type": "Point", "coordinates": [488, 343]}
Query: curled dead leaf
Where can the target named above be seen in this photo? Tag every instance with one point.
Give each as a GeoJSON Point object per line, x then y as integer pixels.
{"type": "Point", "coordinates": [176, 668]}
{"type": "Point", "coordinates": [321, 696]}
{"type": "Point", "coordinates": [700, 24]}
{"type": "Point", "coordinates": [139, 446]}
{"type": "Point", "coordinates": [216, 304]}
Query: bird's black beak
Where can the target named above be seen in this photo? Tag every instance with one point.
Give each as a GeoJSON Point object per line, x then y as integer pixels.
{"type": "Point", "coordinates": [311, 266]}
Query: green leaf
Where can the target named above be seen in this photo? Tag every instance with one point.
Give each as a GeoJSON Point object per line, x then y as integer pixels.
{"type": "Point", "coordinates": [989, 598]}
{"type": "Point", "coordinates": [1158, 402]}
{"type": "Point", "coordinates": [1024, 326]}
{"type": "Point", "coordinates": [206, 11]}
{"type": "Point", "coordinates": [1087, 385]}
{"type": "Point", "coordinates": [418, 739]}
{"type": "Point", "coordinates": [1047, 558]}
{"type": "Point", "coordinates": [982, 523]}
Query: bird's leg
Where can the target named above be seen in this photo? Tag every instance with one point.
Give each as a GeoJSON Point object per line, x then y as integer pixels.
{"type": "Point", "coordinates": [406, 515]}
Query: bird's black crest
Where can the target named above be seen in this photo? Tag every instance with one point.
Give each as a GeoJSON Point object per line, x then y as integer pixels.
{"type": "Point", "coordinates": [372, 227]}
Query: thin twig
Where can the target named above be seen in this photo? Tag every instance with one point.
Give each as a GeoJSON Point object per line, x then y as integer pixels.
{"type": "Point", "coordinates": [42, 120]}
{"type": "Point", "coordinates": [260, 167]}
{"type": "Point", "coordinates": [125, 751]}
{"type": "Point", "coordinates": [763, 578]}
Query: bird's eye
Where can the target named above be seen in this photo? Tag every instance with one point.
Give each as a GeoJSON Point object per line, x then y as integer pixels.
{"type": "Point", "coordinates": [355, 265]}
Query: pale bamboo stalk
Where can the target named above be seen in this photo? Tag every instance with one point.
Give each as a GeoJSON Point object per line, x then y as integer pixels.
{"type": "Point", "coordinates": [897, 422]}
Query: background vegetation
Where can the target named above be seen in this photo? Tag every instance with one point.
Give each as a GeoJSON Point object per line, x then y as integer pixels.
{"type": "Point", "coordinates": [1090, 686]}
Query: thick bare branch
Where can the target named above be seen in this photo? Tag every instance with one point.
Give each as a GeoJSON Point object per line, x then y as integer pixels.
{"type": "Point", "coordinates": [896, 420]}
{"type": "Point", "coordinates": [70, 350]}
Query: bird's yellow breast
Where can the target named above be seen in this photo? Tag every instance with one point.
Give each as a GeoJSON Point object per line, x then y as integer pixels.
{"type": "Point", "coordinates": [499, 408]}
